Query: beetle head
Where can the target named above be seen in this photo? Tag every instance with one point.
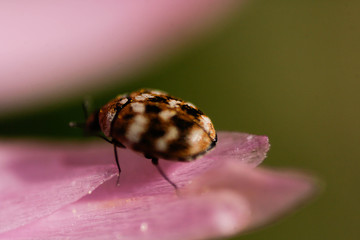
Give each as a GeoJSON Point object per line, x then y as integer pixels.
{"type": "Point", "coordinates": [92, 123]}
{"type": "Point", "coordinates": [90, 126]}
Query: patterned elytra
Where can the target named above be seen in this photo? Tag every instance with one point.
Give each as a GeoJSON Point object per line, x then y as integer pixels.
{"type": "Point", "coordinates": [158, 125]}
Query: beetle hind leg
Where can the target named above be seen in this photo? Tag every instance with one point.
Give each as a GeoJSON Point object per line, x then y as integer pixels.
{"type": "Point", "coordinates": [155, 161]}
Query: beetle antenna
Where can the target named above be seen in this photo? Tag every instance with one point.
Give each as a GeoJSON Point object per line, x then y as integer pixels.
{"type": "Point", "coordinates": [86, 106]}
{"type": "Point", "coordinates": [76, 125]}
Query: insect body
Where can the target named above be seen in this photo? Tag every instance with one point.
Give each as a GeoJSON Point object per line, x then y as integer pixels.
{"type": "Point", "coordinates": [155, 124]}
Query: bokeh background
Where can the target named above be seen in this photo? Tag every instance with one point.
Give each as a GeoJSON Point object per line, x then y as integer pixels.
{"type": "Point", "coordinates": [286, 69]}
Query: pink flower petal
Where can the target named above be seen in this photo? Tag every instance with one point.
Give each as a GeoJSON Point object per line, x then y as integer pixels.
{"type": "Point", "coordinates": [60, 47]}
{"type": "Point", "coordinates": [249, 149]}
{"type": "Point", "coordinates": [35, 182]}
{"type": "Point", "coordinates": [269, 193]}
{"type": "Point", "coordinates": [46, 177]}
{"type": "Point", "coordinates": [220, 203]}
{"type": "Point", "coordinates": [220, 195]}
{"type": "Point", "coordinates": [160, 217]}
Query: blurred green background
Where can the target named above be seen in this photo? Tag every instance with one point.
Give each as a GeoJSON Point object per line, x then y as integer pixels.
{"type": "Point", "coordinates": [286, 69]}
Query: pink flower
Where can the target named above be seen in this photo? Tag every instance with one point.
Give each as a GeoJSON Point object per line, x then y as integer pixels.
{"type": "Point", "coordinates": [57, 48]}
{"type": "Point", "coordinates": [67, 191]}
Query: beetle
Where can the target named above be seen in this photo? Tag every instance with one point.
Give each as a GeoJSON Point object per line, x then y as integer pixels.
{"type": "Point", "coordinates": [153, 123]}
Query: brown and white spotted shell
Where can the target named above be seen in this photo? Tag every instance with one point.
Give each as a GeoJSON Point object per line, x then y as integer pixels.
{"type": "Point", "coordinates": [158, 125]}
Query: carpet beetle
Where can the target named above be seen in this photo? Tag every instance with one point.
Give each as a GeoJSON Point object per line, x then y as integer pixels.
{"type": "Point", "coordinates": [154, 124]}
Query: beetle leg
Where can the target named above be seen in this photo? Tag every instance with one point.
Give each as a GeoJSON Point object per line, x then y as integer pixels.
{"type": "Point", "coordinates": [118, 165]}
{"type": "Point", "coordinates": [118, 144]}
{"type": "Point", "coordinates": [101, 136]}
{"type": "Point", "coordinates": [155, 161]}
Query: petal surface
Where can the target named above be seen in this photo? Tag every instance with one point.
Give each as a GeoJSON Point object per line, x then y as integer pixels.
{"type": "Point", "coordinates": [160, 217]}
{"type": "Point", "coordinates": [38, 179]}
{"type": "Point", "coordinates": [269, 193]}
{"type": "Point", "coordinates": [60, 47]}
{"type": "Point", "coordinates": [220, 203]}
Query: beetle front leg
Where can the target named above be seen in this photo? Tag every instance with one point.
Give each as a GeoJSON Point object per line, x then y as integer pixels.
{"type": "Point", "coordinates": [118, 165]}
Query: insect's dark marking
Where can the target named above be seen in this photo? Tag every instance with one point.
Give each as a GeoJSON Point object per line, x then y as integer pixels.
{"type": "Point", "coordinates": [145, 144]}
{"type": "Point", "coordinates": [191, 111]}
{"type": "Point", "coordinates": [152, 109]}
{"type": "Point", "coordinates": [155, 121]}
{"type": "Point", "coordinates": [120, 131]}
{"type": "Point", "coordinates": [213, 143]}
{"type": "Point", "coordinates": [177, 146]}
{"type": "Point", "coordinates": [156, 131]}
{"type": "Point", "coordinates": [117, 111]}
{"type": "Point", "coordinates": [173, 98]}
{"type": "Point", "coordinates": [158, 99]}
{"type": "Point", "coordinates": [182, 124]}
{"type": "Point", "coordinates": [128, 116]}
